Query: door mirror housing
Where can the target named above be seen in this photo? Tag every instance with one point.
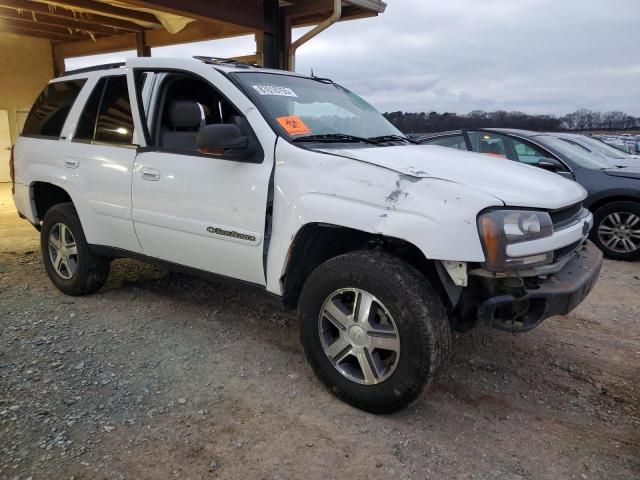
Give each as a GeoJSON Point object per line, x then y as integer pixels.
{"type": "Point", "coordinates": [225, 140]}
{"type": "Point", "coordinates": [551, 164]}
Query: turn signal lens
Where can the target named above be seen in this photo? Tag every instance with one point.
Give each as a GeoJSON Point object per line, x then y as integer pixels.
{"type": "Point", "coordinates": [491, 236]}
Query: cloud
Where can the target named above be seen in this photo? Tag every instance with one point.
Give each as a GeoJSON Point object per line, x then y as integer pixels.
{"type": "Point", "coordinates": [537, 56]}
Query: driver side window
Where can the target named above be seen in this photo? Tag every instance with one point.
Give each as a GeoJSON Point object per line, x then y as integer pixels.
{"type": "Point", "coordinates": [184, 105]}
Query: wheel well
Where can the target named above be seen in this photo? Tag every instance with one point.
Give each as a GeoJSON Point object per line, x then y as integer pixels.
{"type": "Point", "coordinates": [604, 201]}
{"type": "Point", "coordinates": [314, 244]}
{"type": "Point", "coordinates": [46, 195]}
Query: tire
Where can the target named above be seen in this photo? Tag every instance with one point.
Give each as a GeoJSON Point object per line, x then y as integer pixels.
{"type": "Point", "coordinates": [616, 230]}
{"type": "Point", "coordinates": [78, 272]}
{"type": "Point", "coordinates": [418, 327]}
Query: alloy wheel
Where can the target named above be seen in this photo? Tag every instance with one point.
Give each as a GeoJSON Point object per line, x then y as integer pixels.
{"type": "Point", "coordinates": [359, 336]}
{"type": "Point", "coordinates": [620, 232]}
{"type": "Point", "coordinates": [63, 251]}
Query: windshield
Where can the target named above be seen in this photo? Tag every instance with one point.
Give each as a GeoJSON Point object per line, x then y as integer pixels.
{"type": "Point", "coordinates": [307, 107]}
{"type": "Point", "coordinates": [603, 148]}
{"type": "Point", "coordinates": [575, 153]}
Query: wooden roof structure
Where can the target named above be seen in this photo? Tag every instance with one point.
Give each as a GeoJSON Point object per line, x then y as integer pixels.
{"type": "Point", "coordinates": [87, 27]}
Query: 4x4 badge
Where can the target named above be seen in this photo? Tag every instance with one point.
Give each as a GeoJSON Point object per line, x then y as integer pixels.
{"type": "Point", "coordinates": [231, 233]}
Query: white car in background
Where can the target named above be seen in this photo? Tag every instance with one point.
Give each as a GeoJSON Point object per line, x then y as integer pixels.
{"type": "Point", "coordinates": [609, 154]}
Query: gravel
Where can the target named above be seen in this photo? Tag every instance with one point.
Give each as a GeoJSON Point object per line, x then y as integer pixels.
{"type": "Point", "coordinates": [161, 375]}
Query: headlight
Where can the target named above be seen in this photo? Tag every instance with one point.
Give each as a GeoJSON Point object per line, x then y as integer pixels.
{"type": "Point", "coordinates": [499, 228]}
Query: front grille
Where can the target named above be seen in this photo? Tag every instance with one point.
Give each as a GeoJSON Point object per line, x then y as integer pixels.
{"type": "Point", "coordinates": [563, 217]}
{"type": "Point", "coordinates": [560, 253]}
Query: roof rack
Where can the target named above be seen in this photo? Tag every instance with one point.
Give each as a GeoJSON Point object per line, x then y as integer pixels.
{"type": "Point", "coordinates": [94, 68]}
{"type": "Point", "coordinates": [225, 61]}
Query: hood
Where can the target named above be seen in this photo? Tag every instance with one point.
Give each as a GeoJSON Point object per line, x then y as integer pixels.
{"type": "Point", "coordinates": [627, 172]}
{"type": "Point", "coordinates": [512, 182]}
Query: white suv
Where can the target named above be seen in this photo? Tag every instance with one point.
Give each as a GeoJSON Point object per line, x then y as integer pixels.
{"type": "Point", "coordinates": [300, 188]}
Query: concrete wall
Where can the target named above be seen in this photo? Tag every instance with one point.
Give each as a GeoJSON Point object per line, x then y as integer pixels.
{"type": "Point", "coordinates": [25, 68]}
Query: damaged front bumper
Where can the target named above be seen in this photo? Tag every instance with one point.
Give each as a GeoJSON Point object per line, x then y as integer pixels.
{"type": "Point", "coordinates": [523, 304]}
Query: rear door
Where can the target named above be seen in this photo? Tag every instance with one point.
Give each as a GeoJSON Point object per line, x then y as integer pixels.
{"type": "Point", "coordinates": [199, 210]}
{"type": "Point", "coordinates": [98, 160]}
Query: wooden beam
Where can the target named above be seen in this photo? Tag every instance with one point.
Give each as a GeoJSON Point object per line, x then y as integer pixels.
{"type": "Point", "coordinates": [245, 13]}
{"type": "Point", "coordinates": [99, 8]}
{"type": "Point", "coordinates": [36, 27]}
{"type": "Point", "coordinates": [115, 43]}
{"type": "Point", "coordinates": [37, 33]}
{"type": "Point", "coordinates": [35, 20]}
{"type": "Point", "coordinates": [61, 13]}
{"type": "Point", "coordinates": [194, 32]}
{"type": "Point", "coordinates": [348, 13]}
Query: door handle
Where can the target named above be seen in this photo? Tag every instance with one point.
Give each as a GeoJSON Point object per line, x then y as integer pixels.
{"type": "Point", "coordinates": [150, 174]}
{"type": "Point", "coordinates": [71, 163]}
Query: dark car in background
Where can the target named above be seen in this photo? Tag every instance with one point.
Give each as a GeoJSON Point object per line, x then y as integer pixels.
{"type": "Point", "coordinates": [614, 192]}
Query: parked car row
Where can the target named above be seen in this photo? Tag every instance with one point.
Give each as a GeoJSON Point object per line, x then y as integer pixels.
{"type": "Point", "coordinates": [611, 178]}
{"type": "Point", "coordinates": [629, 144]}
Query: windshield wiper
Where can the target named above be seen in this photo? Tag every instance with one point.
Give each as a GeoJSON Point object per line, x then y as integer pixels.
{"type": "Point", "coordinates": [391, 138]}
{"type": "Point", "coordinates": [335, 137]}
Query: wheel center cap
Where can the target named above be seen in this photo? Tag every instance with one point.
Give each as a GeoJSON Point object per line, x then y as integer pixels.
{"type": "Point", "coordinates": [358, 336]}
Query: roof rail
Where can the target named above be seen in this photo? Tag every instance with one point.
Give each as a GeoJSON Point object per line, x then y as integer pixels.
{"type": "Point", "coordinates": [225, 61]}
{"type": "Point", "coordinates": [94, 68]}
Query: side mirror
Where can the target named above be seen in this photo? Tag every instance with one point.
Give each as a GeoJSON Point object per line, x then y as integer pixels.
{"type": "Point", "coordinates": [551, 164]}
{"type": "Point", "coordinates": [225, 139]}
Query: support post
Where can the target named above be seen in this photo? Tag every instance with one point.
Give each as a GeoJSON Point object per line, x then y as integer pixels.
{"type": "Point", "coordinates": [58, 63]}
{"type": "Point", "coordinates": [142, 49]}
{"type": "Point", "coordinates": [270, 42]}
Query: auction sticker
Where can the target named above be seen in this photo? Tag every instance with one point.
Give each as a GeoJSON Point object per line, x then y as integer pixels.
{"type": "Point", "coordinates": [272, 90]}
{"type": "Point", "coordinates": [294, 125]}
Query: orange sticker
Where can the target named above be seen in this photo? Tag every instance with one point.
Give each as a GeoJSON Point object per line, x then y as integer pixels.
{"type": "Point", "coordinates": [294, 125]}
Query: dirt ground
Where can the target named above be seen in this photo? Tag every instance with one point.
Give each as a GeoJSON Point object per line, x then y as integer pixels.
{"type": "Point", "coordinates": [161, 375]}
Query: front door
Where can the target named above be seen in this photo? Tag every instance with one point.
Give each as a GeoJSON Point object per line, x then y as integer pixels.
{"type": "Point", "coordinates": [202, 211]}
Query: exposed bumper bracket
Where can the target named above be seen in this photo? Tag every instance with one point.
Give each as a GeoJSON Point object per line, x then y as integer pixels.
{"type": "Point", "coordinates": [559, 294]}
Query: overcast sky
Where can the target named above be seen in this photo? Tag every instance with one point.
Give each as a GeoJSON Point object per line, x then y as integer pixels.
{"type": "Point", "coordinates": [536, 56]}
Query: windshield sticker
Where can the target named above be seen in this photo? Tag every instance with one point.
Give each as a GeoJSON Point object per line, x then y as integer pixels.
{"type": "Point", "coordinates": [294, 125]}
{"type": "Point", "coordinates": [277, 91]}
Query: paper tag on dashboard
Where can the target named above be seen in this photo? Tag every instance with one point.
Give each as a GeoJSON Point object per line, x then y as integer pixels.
{"type": "Point", "coordinates": [272, 90]}
{"type": "Point", "coordinates": [294, 125]}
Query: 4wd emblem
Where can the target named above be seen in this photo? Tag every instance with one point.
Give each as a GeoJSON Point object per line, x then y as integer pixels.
{"type": "Point", "coordinates": [231, 233]}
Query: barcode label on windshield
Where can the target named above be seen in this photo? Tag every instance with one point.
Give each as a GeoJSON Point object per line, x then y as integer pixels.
{"type": "Point", "coordinates": [271, 90]}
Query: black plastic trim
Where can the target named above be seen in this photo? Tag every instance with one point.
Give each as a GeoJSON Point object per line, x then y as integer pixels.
{"type": "Point", "coordinates": [114, 253]}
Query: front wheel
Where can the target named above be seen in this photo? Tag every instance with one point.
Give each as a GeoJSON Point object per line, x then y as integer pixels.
{"type": "Point", "coordinates": [616, 230]}
{"type": "Point", "coordinates": [373, 329]}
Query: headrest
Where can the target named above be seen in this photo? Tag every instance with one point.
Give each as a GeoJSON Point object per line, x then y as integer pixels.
{"type": "Point", "coordinates": [185, 114]}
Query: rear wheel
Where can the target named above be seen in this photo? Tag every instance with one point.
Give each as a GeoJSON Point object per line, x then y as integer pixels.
{"type": "Point", "coordinates": [65, 253]}
{"type": "Point", "coordinates": [373, 329]}
{"type": "Point", "coordinates": [616, 230]}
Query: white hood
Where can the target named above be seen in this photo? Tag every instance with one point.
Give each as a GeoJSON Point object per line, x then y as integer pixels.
{"type": "Point", "coordinates": [512, 182]}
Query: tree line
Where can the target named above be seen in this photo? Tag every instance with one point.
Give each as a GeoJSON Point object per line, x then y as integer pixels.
{"type": "Point", "coordinates": [582, 119]}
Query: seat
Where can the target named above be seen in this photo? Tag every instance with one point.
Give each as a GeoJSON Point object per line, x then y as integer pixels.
{"type": "Point", "coordinates": [179, 131]}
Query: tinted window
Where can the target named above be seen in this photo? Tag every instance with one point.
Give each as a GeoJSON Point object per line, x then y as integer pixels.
{"type": "Point", "coordinates": [87, 123]}
{"type": "Point", "coordinates": [115, 122]}
{"type": "Point", "coordinates": [453, 141]}
{"type": "Point", "coordinates": [51, 108]}
{"type": "Point", "coordinates": [492, 144]}
{"type": "Point", "coordinates": [527, 153]}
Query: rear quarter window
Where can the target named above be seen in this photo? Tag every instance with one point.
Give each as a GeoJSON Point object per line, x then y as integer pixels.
{"type": "Point", "coordinates": [50, 110]}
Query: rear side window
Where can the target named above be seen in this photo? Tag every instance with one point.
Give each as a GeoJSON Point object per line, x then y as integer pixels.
{"type": "Point", "coordinates": [50, 110]}
{"type": "Point", "coordinates": [107, 115]}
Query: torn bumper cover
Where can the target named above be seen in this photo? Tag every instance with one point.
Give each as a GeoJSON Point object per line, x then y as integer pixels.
{"type": "Point", "coordinates": [558, 294]}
